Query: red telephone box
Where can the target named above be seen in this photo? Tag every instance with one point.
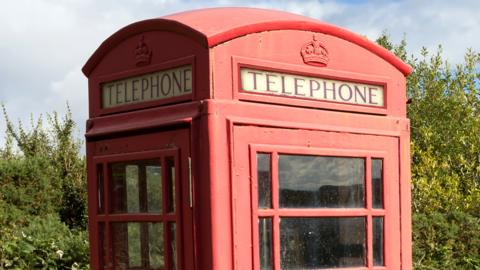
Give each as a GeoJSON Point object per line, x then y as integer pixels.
{"type": "Point", "coordinates": [238, 138]}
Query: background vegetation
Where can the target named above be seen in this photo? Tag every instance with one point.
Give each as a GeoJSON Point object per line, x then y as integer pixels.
{"type": "Point", "coordinates": [43, 192]}
{"type": "Point", "coordinates": [42, 197]}
{"type": "Point", "coordinates": [445, 148]}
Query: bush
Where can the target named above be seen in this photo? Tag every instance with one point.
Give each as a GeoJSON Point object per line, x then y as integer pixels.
{"type": "Point", "coordinates": [446, 241]}
{"type": "Point", "coordinates": [45, 164]}
{"type": "Point", "coordinates": [445, 148]}
{"type": "Point", "coordinates": [43, 197]}
{"type": "Point", "coordinates": [27, 184]}
{"type": "Point", "coordinates": [45, 243]}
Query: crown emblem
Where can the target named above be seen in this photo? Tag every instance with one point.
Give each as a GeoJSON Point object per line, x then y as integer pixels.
{"type": "Point", "coordinates": [143, 54]}
{"type": "Point", "coordinates": [314, 53]}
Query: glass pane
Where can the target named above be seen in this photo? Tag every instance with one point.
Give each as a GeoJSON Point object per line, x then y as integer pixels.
{"type": "Point", "coordinates": [126, 245]}
{"type": "Point", "coordinates": [377, 183]}
{"type": "Point", "coordinates": [136, 186]}
{"type": "Point", "coordinates": [155, 243]}
{"type": "Point", "coordinates": [118, 188]}
{"type": "Point", "coordinates": [133, 202]}
{"type": "Point", "coordinates": [101, 245]}
{"type": "Point", "coordinates": [319, 181]}
{"type": "Point", "coordinates": [138, 244]}
{"type": "Point", "coordinates": [119, 245]}
{"type": "Point", "coordinates": [154, 188]}
{"type": "Point", "coordinates": [378, 241]}
{"type": "Point", "coordinates": [173, 244]}
{"type": "Point", "coordinates": [316, 243]}
{"type": "Point", "coordinates": [124, 188]}
{"type": "Point", "coordinates": [134, 245]}
{"type": "Point", "coordinates": [265, 243]}
{"type": "Point", "coordinates": [170, 182]}
{"type": "Point", "coordinates": [264, 182]}
{"type": "Point", "coordinates": [100, 183]}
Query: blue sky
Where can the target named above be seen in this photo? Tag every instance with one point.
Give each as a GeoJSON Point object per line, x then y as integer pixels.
{"type": "Point", "coordinates": [44, 43]}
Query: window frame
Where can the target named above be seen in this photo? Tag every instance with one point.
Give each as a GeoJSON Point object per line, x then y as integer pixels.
{"type": "Point", "coordinates": [105, 218]}
{"type": "Point", "coordinates": [275, 212]}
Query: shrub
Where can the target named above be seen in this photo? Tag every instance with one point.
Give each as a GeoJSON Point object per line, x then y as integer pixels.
{"type": "Point", "coordinates": [42, 197]}
{"type": "Point", "coordinates": [446, 241]}
{"type": "Point", "coordinates": [445, 148]}
{"type": "Point", "coordinates": [45, 243]}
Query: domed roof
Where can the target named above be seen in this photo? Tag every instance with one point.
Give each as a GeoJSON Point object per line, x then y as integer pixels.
{"type": "Point", "coordinates": [213, 26]}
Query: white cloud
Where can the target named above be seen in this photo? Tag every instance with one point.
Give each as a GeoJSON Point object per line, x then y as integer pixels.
{"type": "Point", "coordinates": [71, 89]}
{"type": "Point", "coordinates": [449, 23]}
{"type": "Point", "coordinates": [44, 43]}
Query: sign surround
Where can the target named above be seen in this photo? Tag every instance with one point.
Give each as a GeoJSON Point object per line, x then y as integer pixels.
{"type": "Point", "coordinates": [314, 88]}
{"type": "Point", "coordinates": [148, 87]}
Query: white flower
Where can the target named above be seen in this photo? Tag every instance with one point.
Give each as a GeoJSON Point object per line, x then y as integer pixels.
{"type": "Point", "coordinates": [59, 254]}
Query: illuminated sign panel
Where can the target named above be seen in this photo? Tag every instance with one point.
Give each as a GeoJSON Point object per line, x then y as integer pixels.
{"type": "Point", "coordinates": [147, 87]}
{"type": "Point", "coordinates": [289, 85]}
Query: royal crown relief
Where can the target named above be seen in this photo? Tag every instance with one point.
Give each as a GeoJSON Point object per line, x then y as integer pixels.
{"type": "Point", "coordinates": [314, 53]}
{"type": "Point", "coordinates": [143, 53]}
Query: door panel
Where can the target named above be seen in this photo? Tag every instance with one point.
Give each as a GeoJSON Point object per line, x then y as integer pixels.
{"type": "Point", "coordinates": [141, 193]}
{"type": "Point", "coordinates": [315, 200]}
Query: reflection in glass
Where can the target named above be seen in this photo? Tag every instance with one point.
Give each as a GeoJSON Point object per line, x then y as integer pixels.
{"type": "Point", "coordinates": [136, 186]}
{"type": "Point", "coordinates": [134, 248]}
{"type": "Point", "coordinates": [132, 193]}
{"type": "Point", "coordinates": [101, 244]}
{"type": "Point", "coordinates": [137, 244]}
{"type": "Point", "coordinates": [264, 182]}
{"type": "Point", "coordinates": [170, 182]}
{"type": "Point", "coordinates": [313, 243]}
{"type": "Point", "coordinates": [154, 188]}
{"type": "Point", "coordinates": [378, 241]}
{"type": "Point", "coordinates": [173, 244]}
{"type": "Point", "coordinates": [126, 245]}
{"type": "Point", "coordinates": [119, 188]}
{"type": "Point", "coordinates": [155, 243]}
{"type": "Point", "coordinates": [265, 246]}
{"type": "Point", "coordinates": [100, 186]}
{"type": "Point", "coordinates": [377, 183]}
{"type": "Point", "coordinates": [320, 181]}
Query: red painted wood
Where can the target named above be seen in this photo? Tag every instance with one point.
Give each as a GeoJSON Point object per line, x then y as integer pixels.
{"type": "Point", "coordinates": [405, 193]}
{"type": "Point", "coordinates": [169, 144]}
{"type": "Point", "coordinates": [316, 143]}
{"type": "Point", "coordinates": [369, 197]}
{"type": "Point", "coordinates": [202, 27]}
{"type": "Point", "coordinates": [220, 127]}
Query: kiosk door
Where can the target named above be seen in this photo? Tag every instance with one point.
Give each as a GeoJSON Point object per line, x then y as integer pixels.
{"type": "Point", "coordinates": [318, 200]}
{"type": "Point", "coordinates": [142, 202]}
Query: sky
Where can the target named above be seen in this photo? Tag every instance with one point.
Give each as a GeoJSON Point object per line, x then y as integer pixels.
{"type": "Point", "coordinates": [45, 43]}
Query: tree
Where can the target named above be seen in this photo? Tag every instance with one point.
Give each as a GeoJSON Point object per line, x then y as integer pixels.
{"type": "Point", "coordinates": [445, 144]}
{"type": "Point", "coordinates": [42, 196]}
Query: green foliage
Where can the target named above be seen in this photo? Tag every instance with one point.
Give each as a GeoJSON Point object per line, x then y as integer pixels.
{"type": "Point", "coordinates": [45, 243]}
{"type": "Point", "coordinates": [26, 184]}
{"type": "Point", "coordinates": [445, 120]}
{"type": "Point", "coordinates": [445, 148]}
{"type": "Point", "coordinates": [446, 241]}
{"type": "Point", "coordinates": [47, 165]}
{"type": "Point", "coordinates": [42, 197]}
